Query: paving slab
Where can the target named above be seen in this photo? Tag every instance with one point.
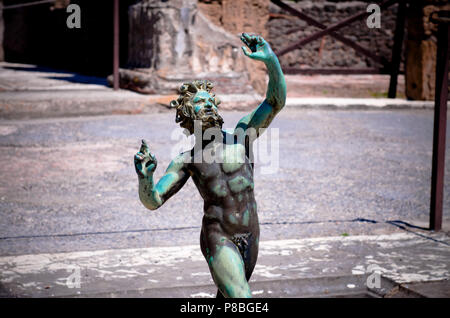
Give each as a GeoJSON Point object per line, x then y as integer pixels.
{"type": "Point", "coordinates": [319, 267]}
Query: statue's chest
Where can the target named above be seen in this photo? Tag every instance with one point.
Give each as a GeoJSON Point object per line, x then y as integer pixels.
{"type": "Point", "coordinates": [221, 159]}
{"type": "Point", "coordinates": [232, 158]}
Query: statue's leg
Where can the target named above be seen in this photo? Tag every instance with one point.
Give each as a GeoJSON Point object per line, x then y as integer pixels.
{"type": "Point", "coordinates": [206, 252]}
{"type": "Point", "coordinates": [226, 265]}
{"type": "Point", "coordinates": [249, 255]}
{"type": "Point", "coordinates": [227, 268]}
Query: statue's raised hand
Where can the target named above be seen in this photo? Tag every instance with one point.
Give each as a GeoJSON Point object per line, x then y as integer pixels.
{"type": "Point", "coordinates": [144, 162]}
{"type": "Point", "coordinates": [256, 47]}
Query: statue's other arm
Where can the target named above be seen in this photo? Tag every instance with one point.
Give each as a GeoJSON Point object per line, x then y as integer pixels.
{"type": "Point", "coordinates": [153, 196]}
{"type": "Point", "coordinates": [263, 115]}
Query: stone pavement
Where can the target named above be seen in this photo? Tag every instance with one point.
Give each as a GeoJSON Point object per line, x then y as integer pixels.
{"type": "Point", "coordinates": [68, 184]}
{"type": "Point", "coordinates": [355, 188]}
{"type": "Point", "coordinates": [30, 91]}
{"type": "Point", "coordinates": [354, 266]}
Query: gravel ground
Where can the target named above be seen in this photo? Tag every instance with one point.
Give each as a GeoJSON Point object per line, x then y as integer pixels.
{"type": "Point", "coordinates": [68, 184]}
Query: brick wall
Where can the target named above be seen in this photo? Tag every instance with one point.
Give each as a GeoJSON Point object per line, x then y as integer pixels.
{"type": "Point", "coordinates": [328, 52]}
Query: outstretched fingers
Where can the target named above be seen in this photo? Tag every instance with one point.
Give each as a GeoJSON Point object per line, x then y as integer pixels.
{"type": "Point", "coordinates": [246, 38]}
{"type": "Point", "coordinates": [144, 147]}
{"type": "Point", "coordinates": [255, 46]}
{"type": "Point", "coordinates": [249, 40]}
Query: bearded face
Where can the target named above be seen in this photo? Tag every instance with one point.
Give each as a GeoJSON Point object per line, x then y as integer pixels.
{"type": "Point", "coordinates": [206, 111]}
{"type": "Point", "coordinates": [196, 102]}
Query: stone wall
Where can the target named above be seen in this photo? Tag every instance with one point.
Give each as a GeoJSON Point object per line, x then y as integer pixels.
{"type": "Point", "coordinates": [179, 40]}
{"type": "Point", "coordinates": [328, 52]}
{"type": "Point", "coordinates": [2, 29]}
{"type": "Point", "coordinates": [173, 41]}
{"type": "Point", "coordinates": [421, 46]}
{"type": "Point", "coordinates": [236, 17]}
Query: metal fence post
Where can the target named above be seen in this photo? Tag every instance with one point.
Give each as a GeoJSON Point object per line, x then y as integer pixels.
{"type": "Point", "coordinates": [116, 46]}
{"type": "Point", "coordinates": [440, 119]}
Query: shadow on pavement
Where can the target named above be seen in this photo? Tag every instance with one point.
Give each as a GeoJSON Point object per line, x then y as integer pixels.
{"type": "Point", "coordinates": [65, 75]}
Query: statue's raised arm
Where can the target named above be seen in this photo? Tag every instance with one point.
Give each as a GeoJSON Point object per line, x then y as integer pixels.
{"type": "Point", "coordinates": [258, 49]}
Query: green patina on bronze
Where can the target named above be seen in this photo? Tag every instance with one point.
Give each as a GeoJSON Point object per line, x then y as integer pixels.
{"type": "Point", "coordinates": [228, 269]}
{"type": "Point", "coordinates": [239, 183]}
{"type": "Point", "coordinates": [229, 240]}
{"type": "Point", "coordinates": [245, 218]}
{"type": "Point", "coordinates": [232, 218]}
{"type": "Point", "coordinates": [220, 190]}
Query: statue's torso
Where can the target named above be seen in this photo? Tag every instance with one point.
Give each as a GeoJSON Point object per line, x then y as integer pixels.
{"type": "Point", "coordinates": [225, 182]}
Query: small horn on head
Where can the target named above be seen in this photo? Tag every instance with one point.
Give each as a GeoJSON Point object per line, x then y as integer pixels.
{"type": "Point", "coordinates": [209, 86]}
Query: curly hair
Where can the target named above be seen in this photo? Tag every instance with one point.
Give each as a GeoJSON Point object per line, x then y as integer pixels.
{"type": "Point", "coordinates": [185, 109]}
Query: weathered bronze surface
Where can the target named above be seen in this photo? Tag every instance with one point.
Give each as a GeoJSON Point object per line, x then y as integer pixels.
{"type": "Point", "coordinates": [230, 230]}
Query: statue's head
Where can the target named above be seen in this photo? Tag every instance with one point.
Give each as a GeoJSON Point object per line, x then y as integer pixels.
{"type": "Point", "coordinates": [196, 102]}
